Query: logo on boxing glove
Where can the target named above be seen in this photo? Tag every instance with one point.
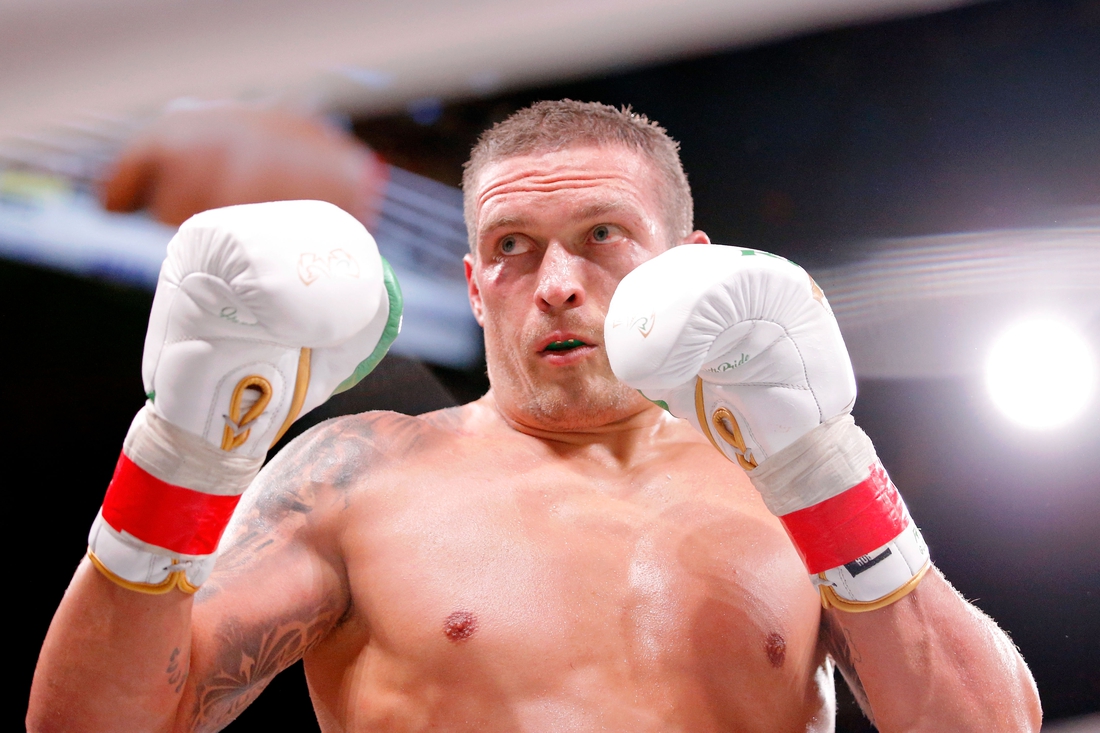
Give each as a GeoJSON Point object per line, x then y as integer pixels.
{"type": "Point", "coordinates": [727, 365]}
{"type": "Point", "coordinates": [644, 324]}
{"type": "Point", "coordinates": [312, 266]}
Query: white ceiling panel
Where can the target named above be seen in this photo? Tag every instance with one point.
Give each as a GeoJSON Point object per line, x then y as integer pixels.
{"type": "Point", "coordinates": [66, 60]}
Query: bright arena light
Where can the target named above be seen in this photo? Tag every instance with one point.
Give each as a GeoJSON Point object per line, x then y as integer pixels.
{"type": "Point", "coordinates": [1041, 373]}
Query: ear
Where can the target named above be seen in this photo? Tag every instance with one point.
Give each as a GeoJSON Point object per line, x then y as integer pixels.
{"type": "Point", "coordinates": [472, 289]}
{"type": "Point", "coordinates": [696, 237]}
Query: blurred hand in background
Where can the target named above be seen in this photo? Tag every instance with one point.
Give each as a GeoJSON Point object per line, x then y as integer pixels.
{"type": "Point", "coordinates": [193, 160]}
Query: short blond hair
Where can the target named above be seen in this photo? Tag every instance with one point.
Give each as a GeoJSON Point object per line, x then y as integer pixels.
{"type": "Point", "coordinates": [549, 126]}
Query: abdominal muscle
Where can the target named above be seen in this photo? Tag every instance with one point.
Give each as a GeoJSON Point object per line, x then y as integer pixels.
{"type": "Point", "coordinates": [546, 595]}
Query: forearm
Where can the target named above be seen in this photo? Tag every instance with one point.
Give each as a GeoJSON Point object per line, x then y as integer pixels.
{"type": "Point", "coordinates": [113, 659]}
{"type": "Point", "coordinates": [933, 662]}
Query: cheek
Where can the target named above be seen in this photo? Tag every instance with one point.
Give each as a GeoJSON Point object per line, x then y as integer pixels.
{"type": "Point", "coordinates": [502, 302]}
{"type": "Point", "coordinates": [494, 301]}
{"type": "Point", "coordinates": [489, 270]}
{"type": "Point", "coordinates": [506, 285]}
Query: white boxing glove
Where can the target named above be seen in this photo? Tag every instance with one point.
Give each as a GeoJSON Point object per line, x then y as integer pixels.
{"type": "Point", "coordinates": [261, 313]}
{"type": "Point", "coordinates": [743, 344]}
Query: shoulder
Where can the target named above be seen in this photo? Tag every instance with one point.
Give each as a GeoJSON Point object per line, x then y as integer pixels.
{"type": "Point", "coordinates": [340, 451]}
{"type": "Point", "coordinates": [301, 495]}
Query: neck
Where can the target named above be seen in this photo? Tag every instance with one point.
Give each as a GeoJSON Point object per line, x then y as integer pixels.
{"type": "Point", "coordinates": [619, 437]}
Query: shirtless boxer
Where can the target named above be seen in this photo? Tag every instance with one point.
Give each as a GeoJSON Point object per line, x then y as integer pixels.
{"type": "Point", "coordinates": [561, 554]}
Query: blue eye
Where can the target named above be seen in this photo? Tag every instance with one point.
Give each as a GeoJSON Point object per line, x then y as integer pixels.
{"type": "Point", "coordinates": [601, 233]}
{"type": "Point", "coordinates": [508, 245]}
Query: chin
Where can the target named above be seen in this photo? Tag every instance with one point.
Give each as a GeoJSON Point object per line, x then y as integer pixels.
{"type": "Point", "coordinates": [579, 406]}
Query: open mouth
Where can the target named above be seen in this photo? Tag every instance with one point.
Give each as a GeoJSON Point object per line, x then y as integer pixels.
{"type": "Point", "coordinates": [566, 345]}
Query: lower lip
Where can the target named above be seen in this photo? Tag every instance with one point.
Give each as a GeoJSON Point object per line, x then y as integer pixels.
{"type": "Point", "coordinates": [569, 356]}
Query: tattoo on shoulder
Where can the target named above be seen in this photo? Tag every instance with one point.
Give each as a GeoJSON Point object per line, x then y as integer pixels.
{"type": "Point", "coordinates": [323, 466]}
{"type": "Point", "coordinates": [249, 659]}
{"type": "Point", "coordinates": [339, 455]}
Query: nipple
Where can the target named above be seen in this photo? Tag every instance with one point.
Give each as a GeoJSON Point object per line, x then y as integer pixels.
{"type": "Point", "coordinates": [775, 646]}
{"type": "Point", "coordinates": [460, 626]}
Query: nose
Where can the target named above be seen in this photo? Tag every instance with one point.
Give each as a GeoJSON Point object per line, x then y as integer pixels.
{"type": "Point", "coordinates": [559, 284]}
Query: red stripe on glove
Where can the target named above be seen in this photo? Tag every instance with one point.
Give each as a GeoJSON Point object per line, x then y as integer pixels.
{"type": "Point", "coordinates": [848, 525]}
{"type": "Point", "coordinates": [173, 517]}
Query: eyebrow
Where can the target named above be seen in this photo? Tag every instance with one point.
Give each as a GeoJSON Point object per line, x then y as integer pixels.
{"type": "Point", "coordinates": [502, 222]}
{"type": "Point", "coordinates": [592, 211]}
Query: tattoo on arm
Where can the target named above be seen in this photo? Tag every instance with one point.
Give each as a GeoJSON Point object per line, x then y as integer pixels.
{"type": "Point", "coordinates": [838, 642]}
{"type": "Point", "coordinates": [326, 462]}
{"type": "Point", "coordinates": [249, 660]}
{"type": "Point", "coordinates": [317, 473]}
{"type": "Point", "coordinates": [330, 460]}
{"type": "Point", "coordinates": [177, 670]}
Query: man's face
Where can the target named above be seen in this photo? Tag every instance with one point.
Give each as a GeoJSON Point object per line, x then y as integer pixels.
{"type": "Point", "coordinates": [555, 232]}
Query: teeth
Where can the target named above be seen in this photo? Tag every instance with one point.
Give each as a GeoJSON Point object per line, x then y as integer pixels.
{"type": "Point", "coordinates": [564, 345]}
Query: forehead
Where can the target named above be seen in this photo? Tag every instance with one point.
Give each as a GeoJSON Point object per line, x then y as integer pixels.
{"type": "Point", "coordinates": [592, 176]}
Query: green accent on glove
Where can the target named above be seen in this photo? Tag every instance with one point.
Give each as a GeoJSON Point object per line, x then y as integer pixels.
{"type": "Point", "coordinates": [660, 403]}
{"type": "Point", "coordinates": [151, 396]}
{"type": "Point", "coordinates": [393, 327]}
{"type": "Point", "coordinates": [746, 252]}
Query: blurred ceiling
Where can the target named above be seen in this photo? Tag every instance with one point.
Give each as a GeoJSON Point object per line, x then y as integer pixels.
{"type": "Point", "coordinates": [64, 61]}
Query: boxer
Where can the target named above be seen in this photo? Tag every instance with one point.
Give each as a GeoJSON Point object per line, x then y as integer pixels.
{"type": "Point", "coordinates": [660, 517]}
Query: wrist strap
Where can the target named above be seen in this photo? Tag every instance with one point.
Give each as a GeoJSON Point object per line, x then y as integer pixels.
{"type": "Point", "coordinates": [174, 580]}
{"type": "Point", "coordinates": [170, 499]}
{"type": "Point", "coordinates": [849, 525]}
{"type": "Point", "coordinates": [845, 517]}
{"type": "Point", "coordinates": [881, 577]}
{"type": "Point", "coordinates": [138, 566]}
{"type": "Point", "coordinates": [831, 598]}
{"type": "Point", "coordinates": [175, 518]}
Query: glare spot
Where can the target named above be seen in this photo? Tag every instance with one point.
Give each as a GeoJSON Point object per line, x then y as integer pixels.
{"type": "Point", "coordinates": [1041, 373]}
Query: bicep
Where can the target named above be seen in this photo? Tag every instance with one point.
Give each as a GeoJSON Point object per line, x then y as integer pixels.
{"type": "Point", "coordinates": [276, 590]}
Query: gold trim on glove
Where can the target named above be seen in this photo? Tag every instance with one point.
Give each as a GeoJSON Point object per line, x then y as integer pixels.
{"type": "Point", "coordinates": [701, 414]}
{"type": "Point", "coordinates": [232, 439]}
{"type": "Point", "coordinates": [830, 598]}
{"type": "Point", "coordinates": [730, 433]}
{"type": "Point", "coordinates": [177, 579]}
{"type": "Point", "coordinates": [733, 437]}
{"type": "Point", "coordinates": [301, 385]}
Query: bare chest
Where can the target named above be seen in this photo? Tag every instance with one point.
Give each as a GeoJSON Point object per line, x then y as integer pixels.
{"type": "Point", "coordinates": [664, 593]}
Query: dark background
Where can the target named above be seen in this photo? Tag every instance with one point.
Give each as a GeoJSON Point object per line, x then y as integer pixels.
{"type": "Point", "coordinates": [980, 118]}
